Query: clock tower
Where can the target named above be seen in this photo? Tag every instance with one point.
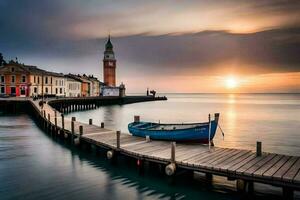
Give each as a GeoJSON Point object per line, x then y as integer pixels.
{"type": "Point", "coordinates": [109, 64]}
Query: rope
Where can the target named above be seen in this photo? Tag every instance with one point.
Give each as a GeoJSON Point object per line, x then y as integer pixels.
{"type": "Point", "coordinates": [221, 131]}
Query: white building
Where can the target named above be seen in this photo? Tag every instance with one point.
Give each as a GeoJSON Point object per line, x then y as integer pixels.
{"type": "Point", "coordinates": [73, 87]}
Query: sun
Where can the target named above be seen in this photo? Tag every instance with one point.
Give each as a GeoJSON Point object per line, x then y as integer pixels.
{"type": "Point", "coordinates": [231, 82]}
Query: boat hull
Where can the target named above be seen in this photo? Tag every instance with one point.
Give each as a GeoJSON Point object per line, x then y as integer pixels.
{"type": "Point", "coordinates": [198, 133]}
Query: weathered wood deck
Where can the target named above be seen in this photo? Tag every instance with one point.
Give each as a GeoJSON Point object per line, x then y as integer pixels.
{"type": "Point", "coordinates": [269, 168]}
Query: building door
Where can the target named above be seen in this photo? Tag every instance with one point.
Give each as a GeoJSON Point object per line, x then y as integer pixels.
{"type": "Point", "coordinates": [22, 91]}
{"type": "Point", "coordinates": [13, 91]}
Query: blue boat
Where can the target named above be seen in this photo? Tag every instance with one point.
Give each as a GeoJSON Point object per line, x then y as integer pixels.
{"type": "Point", "coordinates": [185, 132]}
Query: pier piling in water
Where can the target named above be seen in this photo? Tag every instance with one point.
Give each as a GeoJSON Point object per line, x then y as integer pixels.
{"type": "Point", "coordinates": [118, 139]}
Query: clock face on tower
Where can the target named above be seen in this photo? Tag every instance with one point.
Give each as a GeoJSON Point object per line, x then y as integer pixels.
{"type": "Point", "coordinates": [110, 63]}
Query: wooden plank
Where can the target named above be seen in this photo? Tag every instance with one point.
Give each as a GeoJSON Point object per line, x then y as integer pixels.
{"type": "Point", "coordinates": [212, 156]}
{"type": "Point", "coordinates": [267, 166]}
{"type": "Point", "coordinates": [270, 172]}
{"type": "Point", "coordinates": [292, 172]}
{"type": "Point", "coordinates": [225, 157]}
{"type": "Point", "coordinates": [190, 153]}
{"type": "Point", "coordinates": [251, 163]}
{"type": "Point", "coordinates": [209, 155]}
{"type": "Point", "coordinates": [240, 162]}
{"type": "Point", "coordinates": [229, 161]}
{"type": "Point", "coordinates": [284, 168]}
{"type": "Point", "coordinates": [259, 164]}
{"type": "Point", "coordinates": [204, 155]}
{"type": "Point", "coordinates": [207, 161]}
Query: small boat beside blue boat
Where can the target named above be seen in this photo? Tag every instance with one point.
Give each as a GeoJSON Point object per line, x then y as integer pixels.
{"type": "Point", "coordinates": [185, 132]}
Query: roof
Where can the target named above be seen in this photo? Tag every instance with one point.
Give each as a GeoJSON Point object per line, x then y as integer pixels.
{"type": "Point", "coordinates": [108, 45]}
{"type": "Point", "coordinates": [34, 69]}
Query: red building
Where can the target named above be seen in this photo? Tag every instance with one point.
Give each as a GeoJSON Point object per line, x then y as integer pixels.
{"type": "Point", "coordinates": [14, 80]}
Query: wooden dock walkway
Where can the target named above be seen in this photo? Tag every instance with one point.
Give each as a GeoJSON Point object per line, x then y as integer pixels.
{"type": "Point", "coordinates": [242, 165]}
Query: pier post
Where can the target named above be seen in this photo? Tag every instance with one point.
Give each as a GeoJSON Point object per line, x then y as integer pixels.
{"type": "Point", "coordinates": [258, 148]}
{"type": "Point", "coordinates": [102, 124]}
{"type": "Point", "coordinates": [73, 119]}
{"type": "Point", "coordinates": [136, 118]}
{"type": "Point", "coordinates": [173, 149]}
{"type": "Point", "coordinates": [72, 131]}
{"type": "Point", "coordinates": [55, 121]}
{"type": "Point", "coordinates": [90, 121]}
{"type": "Point", "coordinates": [77, 140]}
{"type": "Point", "coordinates": [49, 123]}
{"type": "Point", "coordinates": [118, 139]}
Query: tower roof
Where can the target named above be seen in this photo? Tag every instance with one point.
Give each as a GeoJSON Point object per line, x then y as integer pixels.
{"type": "Point", "coordinates": [108, 45]}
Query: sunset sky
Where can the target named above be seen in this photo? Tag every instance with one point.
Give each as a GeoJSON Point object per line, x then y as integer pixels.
{"type": "Point", "coordinates": [171, 46]}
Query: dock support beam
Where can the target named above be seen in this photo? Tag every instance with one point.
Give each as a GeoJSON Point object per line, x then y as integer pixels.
{"type": "Point", "coordinates": [240, 185]}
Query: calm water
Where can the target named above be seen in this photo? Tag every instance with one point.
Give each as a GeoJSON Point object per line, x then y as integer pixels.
{"type": "Point", "coordinates": [34, 166]}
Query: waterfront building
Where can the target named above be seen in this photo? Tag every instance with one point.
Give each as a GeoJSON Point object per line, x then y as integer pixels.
{"type": "Point", "coordinates": [109, 87]}
{"type": "Point", "coordinates": [14, 80]}
{"type": "Point", "coordinates": [72, 86]}
{"type": "Point", "coordinates": [25, 80]}
{"type": "Point", "coordinates": [95, 85]}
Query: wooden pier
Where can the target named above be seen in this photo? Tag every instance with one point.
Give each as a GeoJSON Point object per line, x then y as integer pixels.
{"type": "Point", "coordinates": [244, 166]}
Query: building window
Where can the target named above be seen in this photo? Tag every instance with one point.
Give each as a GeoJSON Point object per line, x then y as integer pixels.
{"type": "Point", "coordinates": [2, 89]}
{"type": "Point", "coordinates": [23, 78]}
{"type": "Point", "coordinates": [35, 89]}
{"type": "Point", "coordinates": [56, 91]}
{"type": "Point", "coordinates": [46, 90]}
{"type": "Point", "coordinates": [46, 80]}
{"type": "Point", "coordinates": [51, 80]}
{"type": "Point", "coordinates": [34, 79]}
{"type": "Point", "coordinates": [60, 90]}
{"type": "Point", "coordinates": [38, 80]}
{"type": "Point", "coordinates": [13, 78]}
{"type": "Point", "coordinates": [12, 69]}
{"type": "Point", "coordinates": [2, 79]}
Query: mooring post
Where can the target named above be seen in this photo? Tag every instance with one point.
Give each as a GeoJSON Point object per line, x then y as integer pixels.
{"type": "Point", "coordinates": [62, 121]}
{"type": "Point", "coordinates": [102, 124]}
{"type": "Point", "coordinates": [77, 140]}
{"type": "Point", "coordinates": [72, 131]}
{"type": "Point", "coordinates": [73, 119]}
{"type": "Point", "coordinates": [90, 121]}
{"type": "Point", "coordinates": [258, 148]}
{"type": "Point", "coordinates": [136, 118]}
{"type": "Point", "coordinates": [173, 149]}
{"type": "Point", "coordinates": [118, 139]}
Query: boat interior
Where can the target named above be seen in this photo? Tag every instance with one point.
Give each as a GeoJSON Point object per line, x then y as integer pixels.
{"type": "Point", "coordinates": [157, 126]}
